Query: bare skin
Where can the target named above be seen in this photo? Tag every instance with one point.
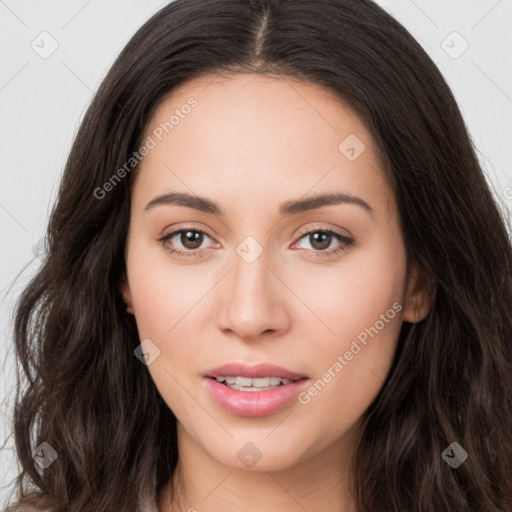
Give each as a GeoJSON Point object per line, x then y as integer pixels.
{"type": "Point", "coordinates": [251, 144]}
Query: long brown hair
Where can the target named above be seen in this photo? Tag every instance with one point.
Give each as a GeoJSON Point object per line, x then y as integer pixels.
{"type": "Point", "coordinates": [82, 391]}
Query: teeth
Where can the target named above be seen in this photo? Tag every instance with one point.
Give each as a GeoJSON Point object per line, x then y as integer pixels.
{"type": "Point", "coordinates": [243, 381]}
{"type": "Point", "coordinates": [248, 384]}
{"type": "Point", "coordinates": [262, 382]}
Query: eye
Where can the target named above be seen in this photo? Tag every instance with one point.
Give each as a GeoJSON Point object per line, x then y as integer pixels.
{"type": "Point", "coordinates": [321, 239]}
{"type": "Point", "coordinates": [190, 239]}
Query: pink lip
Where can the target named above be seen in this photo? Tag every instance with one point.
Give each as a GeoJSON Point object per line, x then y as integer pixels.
{"type": "Point", "coordinates": [254, 403]}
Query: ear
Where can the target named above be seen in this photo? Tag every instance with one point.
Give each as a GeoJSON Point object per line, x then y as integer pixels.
{"type": "Point", "coordinates": [419, 296]}
{"type": "Point", "coordinates": [124, 287]}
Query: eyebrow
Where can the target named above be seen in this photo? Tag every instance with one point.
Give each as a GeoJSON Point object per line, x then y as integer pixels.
{"type": "Point", "coordinates": [287, 208]}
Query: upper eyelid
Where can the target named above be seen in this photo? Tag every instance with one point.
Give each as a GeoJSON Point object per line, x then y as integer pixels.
{"type": "Point", "coordinates": [315, 228]}
{"type": "Point", "coordinates": [174, 232]}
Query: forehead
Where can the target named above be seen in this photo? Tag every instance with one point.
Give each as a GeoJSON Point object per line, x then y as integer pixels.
{"type": "Point", "coordinates": [270, 136]}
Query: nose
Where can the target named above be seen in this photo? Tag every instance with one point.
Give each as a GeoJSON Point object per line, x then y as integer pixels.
{"type": "Point", "coordinates": [252, 300]}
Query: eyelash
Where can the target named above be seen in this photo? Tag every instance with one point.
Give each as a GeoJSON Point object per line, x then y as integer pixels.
{"type": "Point", "coordinates": [347, 243]}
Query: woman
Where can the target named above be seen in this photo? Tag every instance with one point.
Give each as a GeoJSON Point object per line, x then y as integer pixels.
{"type": "Point", "coordinates": [276, 279]}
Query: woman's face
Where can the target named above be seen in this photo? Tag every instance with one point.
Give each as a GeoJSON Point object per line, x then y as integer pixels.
{"type": "Point", "coordinates": [248, 285]}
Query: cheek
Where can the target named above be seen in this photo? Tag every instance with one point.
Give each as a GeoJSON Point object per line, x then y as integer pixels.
{"type": "Point", "coordinates": [352, 294]}
{"type": "Point", "coordinates": [170, 306]}
{"type": "Point", "coordinates": [162, 292]}
{"type": "Point", "coordinates": [166, 303]}
{"type": "Point", "coordinates": [361, 304]}
{"type": "Point", "coordinates": [349, 380]}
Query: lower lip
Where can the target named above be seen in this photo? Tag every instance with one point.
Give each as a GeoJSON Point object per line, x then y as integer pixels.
{"type": "Point", "coordinates": [254, 403]}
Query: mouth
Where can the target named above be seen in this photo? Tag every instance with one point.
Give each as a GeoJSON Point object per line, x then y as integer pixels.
{"type": "Point", "coordinates": [261, 390]}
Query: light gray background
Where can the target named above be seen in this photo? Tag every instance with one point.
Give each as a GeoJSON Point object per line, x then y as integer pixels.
{"type": "Point", "coordinates": [42, 101]}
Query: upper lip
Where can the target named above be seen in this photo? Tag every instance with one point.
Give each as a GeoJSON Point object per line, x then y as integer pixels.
{"type": "Point", "coordinates": [253, 371]}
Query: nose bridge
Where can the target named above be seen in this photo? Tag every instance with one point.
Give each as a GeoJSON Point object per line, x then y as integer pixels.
{"type": "Point", "coordinates": [251, 304]}
{"type": "Point", "coordinates": [250, 274]}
